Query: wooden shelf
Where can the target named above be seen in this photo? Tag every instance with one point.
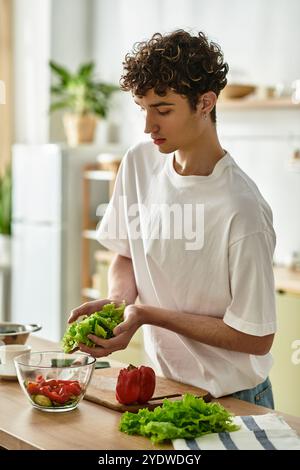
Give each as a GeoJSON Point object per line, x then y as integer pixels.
{"type": "Point", "coordinates": [104, 255]}
{"type": "Point", "coordinates": [99, 175]}
{"type": "Point", "coordinates": [251, 103]}
{"type": "Point", "coordinates": [90, 293]}
{"type": "Point", "coordinates": [90, 234]}
{"type": "Point", "coordinates": [93, 172]}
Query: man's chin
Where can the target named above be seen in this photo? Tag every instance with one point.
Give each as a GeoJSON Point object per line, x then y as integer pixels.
{"type": "Point", "coordinates": [166, 149]}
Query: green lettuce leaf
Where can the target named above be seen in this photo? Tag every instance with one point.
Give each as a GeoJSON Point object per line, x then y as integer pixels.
{"type": "Point", "coordinates": [188, 418]}
{"type": "Point", "coordinates": [100, 323]}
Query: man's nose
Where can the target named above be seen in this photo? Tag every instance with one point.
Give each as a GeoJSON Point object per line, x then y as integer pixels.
{"type": "Point", "coordinates": [150, 126]}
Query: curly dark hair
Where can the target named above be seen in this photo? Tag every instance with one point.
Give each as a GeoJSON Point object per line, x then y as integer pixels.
{"type": "Point", "coordinates": [189, 65]}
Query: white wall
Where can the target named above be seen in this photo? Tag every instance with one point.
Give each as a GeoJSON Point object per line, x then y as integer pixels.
{"type": "Point", "coordinates": [31, 42]}
{"type": "Point", "coordinates": [263, 144]}
{"type": "Point", "coordinates": [260, 40]}
{"type": "Point", "coordinates": [71, 32]}
{"type": "Point", "coordinates": [44, 30]}
{"type": "Point", "coordinates": [71, 39]}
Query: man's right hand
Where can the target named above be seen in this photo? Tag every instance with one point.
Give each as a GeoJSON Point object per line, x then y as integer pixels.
{"type": "Point", "coordinates": [89, 307]}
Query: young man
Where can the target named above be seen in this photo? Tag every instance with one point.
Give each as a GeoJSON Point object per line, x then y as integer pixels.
{"type": "Point", "coordinates": [198, 251]}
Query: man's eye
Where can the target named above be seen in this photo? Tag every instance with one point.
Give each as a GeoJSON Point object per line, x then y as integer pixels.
{"type": "Point", "coordinates": [163, 113]}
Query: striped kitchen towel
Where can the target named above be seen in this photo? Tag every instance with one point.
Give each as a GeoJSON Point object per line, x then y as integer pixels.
{"type": "Point", "coordinates": [261, 432]}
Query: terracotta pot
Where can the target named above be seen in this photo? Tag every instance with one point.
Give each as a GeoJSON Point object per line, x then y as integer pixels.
{"type": "Point", "coordinates": [79, 129]}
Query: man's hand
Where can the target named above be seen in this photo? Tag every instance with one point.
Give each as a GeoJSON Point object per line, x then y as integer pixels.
{"type": "Point", "coordinates": [90, 307]}
{"type": "Point", "coordinates": [123, 334]}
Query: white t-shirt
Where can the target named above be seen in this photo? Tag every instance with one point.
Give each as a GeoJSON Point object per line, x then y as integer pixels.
{"type": "Point", "coordinates": [215, 259]}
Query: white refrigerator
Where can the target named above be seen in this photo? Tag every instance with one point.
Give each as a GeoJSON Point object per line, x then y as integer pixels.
{"type": "Point", "coordinates": [46, 242]}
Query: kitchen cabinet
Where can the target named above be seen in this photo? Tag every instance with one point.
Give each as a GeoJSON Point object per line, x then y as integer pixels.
{"type": "Point", "coordinates": [285, 374]}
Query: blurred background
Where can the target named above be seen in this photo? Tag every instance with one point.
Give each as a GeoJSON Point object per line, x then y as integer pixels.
{"type": "Point", "coordinates": [57, 167]}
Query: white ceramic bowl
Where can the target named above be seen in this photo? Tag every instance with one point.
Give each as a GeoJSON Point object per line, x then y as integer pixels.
{"type": "Point", "coordinates": [7, 354]}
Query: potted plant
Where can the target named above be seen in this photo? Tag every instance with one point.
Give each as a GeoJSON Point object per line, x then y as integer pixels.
{"type": "Point", "coordinates": [84, 98]}
{"type": "Point", "coordinates": [5, 216]}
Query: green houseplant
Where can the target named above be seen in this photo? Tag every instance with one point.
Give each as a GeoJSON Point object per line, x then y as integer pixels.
{"type": "Point", "coordinates": [5, 216]}
{"type": "Point", "coordinates": [83, 97]}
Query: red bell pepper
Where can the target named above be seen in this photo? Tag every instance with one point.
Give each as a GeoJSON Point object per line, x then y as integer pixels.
{"type": "Point", "coordinates": [135, 384]}
{"type": "Point", "coordinates": [147, 384]}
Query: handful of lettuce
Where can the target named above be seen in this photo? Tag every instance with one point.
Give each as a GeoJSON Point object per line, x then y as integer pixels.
{"type": "Point", "coordinates": [188, 418]}
{"type": "Point", "coordinates": [99, 323]}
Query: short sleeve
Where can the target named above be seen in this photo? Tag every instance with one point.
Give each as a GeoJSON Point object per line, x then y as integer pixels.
{"type": "Point", "coordinates": [112, 231]}
{"type": "Point", "coordinates": [252, 309]}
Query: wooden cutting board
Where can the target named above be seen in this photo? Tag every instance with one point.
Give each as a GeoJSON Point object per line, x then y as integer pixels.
{"type": "Point", "coordinates": [102, 388]}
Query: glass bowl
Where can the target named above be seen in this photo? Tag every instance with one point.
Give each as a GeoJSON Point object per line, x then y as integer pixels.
{"type": "Point", "coordinates": [54, 381]}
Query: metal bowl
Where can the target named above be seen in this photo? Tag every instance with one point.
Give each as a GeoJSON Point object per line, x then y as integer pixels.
{"type": "Point", "coordinates": [16, 333]}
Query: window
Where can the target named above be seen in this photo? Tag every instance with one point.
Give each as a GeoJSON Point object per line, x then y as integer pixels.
{"type": "Point", "coordinates": [5, 82]}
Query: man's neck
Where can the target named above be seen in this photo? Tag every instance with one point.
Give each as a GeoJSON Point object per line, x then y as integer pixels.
{"type": "Point", "coordinates": [201, 158]}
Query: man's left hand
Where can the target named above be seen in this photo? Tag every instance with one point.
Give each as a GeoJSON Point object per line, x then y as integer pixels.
{"type": "Point", "coordinates": [123, 334]}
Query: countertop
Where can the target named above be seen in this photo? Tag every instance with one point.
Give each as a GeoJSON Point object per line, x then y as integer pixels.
{"type": "Point", "coordinates": [90, 426]}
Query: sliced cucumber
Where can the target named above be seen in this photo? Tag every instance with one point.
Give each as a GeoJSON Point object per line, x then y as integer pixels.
{"type": "Point", "coordinates": [41, 400]}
